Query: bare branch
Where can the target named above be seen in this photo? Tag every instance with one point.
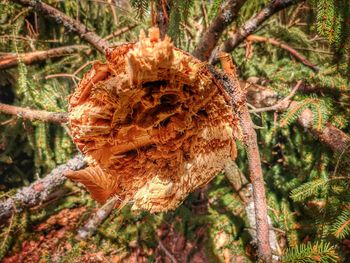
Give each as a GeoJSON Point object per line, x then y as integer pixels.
{"type": "Point", "coordinates": [282, 104]}
{"type": "Point", "coordinates": [12, 60]}
{"type": "Point", "coordinates": [291, 50]}
{"type": "Point", "coordinates": [121, 31]}
{"type": "Point", "coordinates": [244, 190]}
{"type": "Point", "coordinates": [226, 15]}
{"type": "Point", "coordinates": [69, 23]}
{"type": "Point", "coordinates": [238, 100]}
{"type": "Point", "coordinates": [40, 191]}
{"type": "Point", "coordinates": [166, 251]}
{"type": "Point", "coordinates": [97, 219]}
{"type": "Point", "coordinates": [254, 22]}
{"type": "Point", "coordinates": [30, 114]}
{"type": "Point", "coordinates": [337, 140]}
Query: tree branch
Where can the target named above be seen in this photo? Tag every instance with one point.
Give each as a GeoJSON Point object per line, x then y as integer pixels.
{"type": "Point", "coordinates": [97, 219]}
{"type": "Point", "coordinates": [30, 114]}
{"type": "Point", "coordinates": [121, 31]}
{"type": "Point", "coordinates": [291, 50]}
{"type": "Point", "coordinates": [12, 60]}
{"type": "Point", "coordinates": [226, 15]}
{"type": "Point", "coordinates": [40, 191]}
{"type": "Point", "coordinates": [282, 104]}
{"type": "Point", "coordinates": [69, 23]}
{"type": "Point", "coordinates": [254, 22]}
{"type": "Point", "coordinates": [244, 190]}
{"type": "Point", "coordinates": [238, 100]}
{"type": "Point", "coordinates": [334, 138]}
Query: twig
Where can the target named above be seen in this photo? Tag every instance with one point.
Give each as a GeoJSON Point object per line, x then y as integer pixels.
{"type": "Point", "coordinates": [291, 50]}
{"type": "Point", "coordinates": [30, 114]}
{"type": "Point", "coordinates": [12, 60]}
{"type": "Point", "coordinates": [69, 23]}
{"type": "Point", "coordinates": [238, 101]}
{"type": "Point", "coordinates": [120, 31]}
{"type": "Point", "coordinates": [97, 219]}
{"type": "Point", "coordinates": [282, 104]}
{"type": "Point", "coordinates": [166, 251]}
{"type": "Point", "coordinates": [226, 15]}
{"type": "Point", "coordinates": [41, 190]}
{"type": "Point", "coordinates": [252, 24]}
{"type": "Point", "coordinates": [333, 137]}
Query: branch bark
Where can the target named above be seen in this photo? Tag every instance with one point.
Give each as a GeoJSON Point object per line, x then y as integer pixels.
{"type": "Point", "coordinates": [238, 100]}
{"type": "Point", "coordinates": [30, 114]}
{"type": "Point", "coordinates": [12, 60]}
{"type": "Point", "coordinates": [244, 190]}
{"type": "Point", "coordinates": [226, 15]}
{"type": "Point", "coordinates": [254, 22]}
{"type": "Point", "coordinates": [69, 23]}
{"type": "Point", "coordinates": [41, 190]}
{"type": "Point", "coordinates": [97, 219]}
{"type": "Point", "coordinates": [292, 51]}
{"type": "Point", "coordinates": [334, 138]}
{"type": "Point", "coordinates": [251, 25]}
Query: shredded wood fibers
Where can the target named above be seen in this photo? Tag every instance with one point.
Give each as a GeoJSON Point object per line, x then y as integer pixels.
{"type": "Point", "coordinates": [153, 125]}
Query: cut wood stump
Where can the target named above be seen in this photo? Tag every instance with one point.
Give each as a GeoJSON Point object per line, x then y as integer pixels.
{"type": "Point", "coordinates": [153, 123]}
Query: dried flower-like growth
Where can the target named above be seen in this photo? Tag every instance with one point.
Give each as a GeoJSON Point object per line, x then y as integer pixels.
{"type": "Point", "coordinates": [153, 123]}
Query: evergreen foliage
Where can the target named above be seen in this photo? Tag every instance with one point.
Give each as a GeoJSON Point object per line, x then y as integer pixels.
{"type": "Point", "coordinates": [307, 184]}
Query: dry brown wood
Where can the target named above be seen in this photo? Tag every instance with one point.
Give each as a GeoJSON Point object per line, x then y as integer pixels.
{"type": "Point", "coordinates": [238, 100]}
{"type": "Point", "coordinates": [31, 114]}
{"type": "Point", "coordinates": [72, 25]}
{"type": "Point", "coordinates": [153, 123]}
{"type": "Point", "coordinates": [12, 60]}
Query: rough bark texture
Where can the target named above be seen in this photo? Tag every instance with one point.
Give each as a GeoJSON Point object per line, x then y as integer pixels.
{"type": "Point", "coordinates": [12, 60]}
{"type": "Point", "coordinates": [69, 23]}
{"type": "Point", "coordinates": [226, 15]}
{"type": "Point", "coordinates": [238, 99]}
{"type": "Point", "coordinates": [153, 124]}
{"type": "Point", "coordinates": [245, 191]}
{"type": "Point", "coordinates": [29, 114]}
{"type": "Point", "coordinates": [41, 190]}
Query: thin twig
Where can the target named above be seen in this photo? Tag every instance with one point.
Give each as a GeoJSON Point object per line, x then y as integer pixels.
{"type": "Point", "coordinates": [121, 31]}
{"type": "Point", "coordinates": [330, 135]}
{"type": "Point", "coordinates": [69, 23]}
{"type": "Point", "coordinates": [12, 60]}
{"type": "Point", "coordinates": [252, 24]}
{"type": "Point", "coordinates": [166, 251]}
{"type": "Point", "coordinates": [97, 219]}
{"type": "Point", "coordinates": [292, 51]}
{"type": "Point", "coordinates": [282, 104]}
{"type": "Point", "coordinates": [31, 114]}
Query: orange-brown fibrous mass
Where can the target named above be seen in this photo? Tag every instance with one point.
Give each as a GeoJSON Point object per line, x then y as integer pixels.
{"type": "Point", "coordinates": [153, 124]}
